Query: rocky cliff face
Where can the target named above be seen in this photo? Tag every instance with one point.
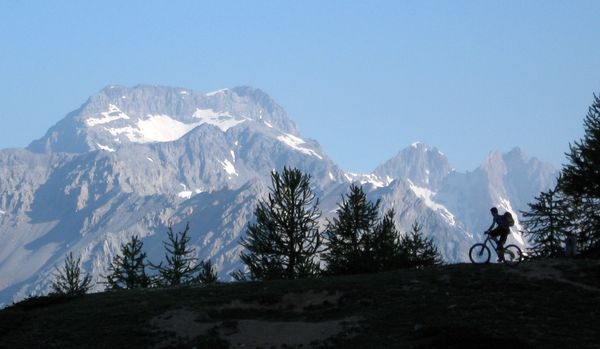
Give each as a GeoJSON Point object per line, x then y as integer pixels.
{"type": "Point", "coordinates": [424, 166]}
{"type": "Point", "coordinates": [136, 160]}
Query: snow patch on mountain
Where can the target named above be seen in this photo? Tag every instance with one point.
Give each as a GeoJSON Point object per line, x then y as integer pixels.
{"type": "Point", "coordinates": [111, 115]}
{"type": "Point", "coordinates": [426, 196]}
{"type": "Point", "coordinates": [371, 178]}
{"type": "Point", "coordinates": [210, 94]}
{"type": "Point", "coordinates": [296, 143]}
{"type": "Point", "coordinates": [186, 194]}
{"type": "Point", "coordinates": [156, 128]}
{"type": "Point", "coordinates": [222, 120]}
{"type": "Point", "coordinates": [164, 128]}
{"type": "Point", "coordinates": [228, 167]}
{"type": "Point", "coordinates": [105, 147]}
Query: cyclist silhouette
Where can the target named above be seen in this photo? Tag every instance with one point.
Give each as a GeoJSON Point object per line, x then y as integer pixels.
{"type": "Point", "coordinates": [502, 230]}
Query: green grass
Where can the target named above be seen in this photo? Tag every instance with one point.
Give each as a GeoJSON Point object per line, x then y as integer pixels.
{"type": "Point", "coordinates": [539, 304]}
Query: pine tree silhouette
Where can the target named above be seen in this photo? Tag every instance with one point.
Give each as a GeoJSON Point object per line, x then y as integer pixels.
{"type": "Point", "coordinates": [349, 235]}
{"type": "Point", "coordinates": [70, 280]}
{"type": "Point", "coordinates": [284, 241]}
{"type": "Point", "coordinates": [581, 177]}
{"type": "Point", "coordinates": [128, 269]}
{"type": "Point", "coordinates": [207, 273]}
{"type": "Point", "coordinates": [546, 223]}
{"type": "Point", "coordinates": [420, 251]}
{"type": "Point", "coordinates": [385, 246]}
{"type": "Point", "coordinates": [180, 265]}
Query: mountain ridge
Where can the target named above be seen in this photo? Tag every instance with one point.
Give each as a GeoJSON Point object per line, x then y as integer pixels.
{"type": "Point", "coordinates": [93, 197]}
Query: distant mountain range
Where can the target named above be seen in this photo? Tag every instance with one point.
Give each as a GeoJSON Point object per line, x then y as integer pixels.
{"type": "Point", "coordinates": [135, 160]}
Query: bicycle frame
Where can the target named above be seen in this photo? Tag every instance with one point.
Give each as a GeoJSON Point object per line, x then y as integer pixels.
{"type": "Point", "coordinates": [492, 243]}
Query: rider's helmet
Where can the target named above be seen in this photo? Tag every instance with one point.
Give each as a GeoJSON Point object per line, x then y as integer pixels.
{"type": "Point", "coordinates": [494, 210]}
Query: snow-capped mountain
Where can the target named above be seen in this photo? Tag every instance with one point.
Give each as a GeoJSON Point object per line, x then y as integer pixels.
{"type": "Point", "coordinates": [117, 116]}
{"type": "Point", "coordinates": [135, 160]}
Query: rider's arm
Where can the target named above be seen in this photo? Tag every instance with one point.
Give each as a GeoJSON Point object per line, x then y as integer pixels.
{"type": "Point", "coordinates": [491, 226]}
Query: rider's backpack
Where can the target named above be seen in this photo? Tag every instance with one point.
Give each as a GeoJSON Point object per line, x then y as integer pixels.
{"type": "Point", "coordinates": [508, 219]}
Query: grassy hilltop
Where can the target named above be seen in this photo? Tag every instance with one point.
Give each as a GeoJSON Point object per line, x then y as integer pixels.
{"type": "Point", "coordinates": [540, 304]}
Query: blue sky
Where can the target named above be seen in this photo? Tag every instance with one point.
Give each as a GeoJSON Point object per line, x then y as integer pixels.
{"type": "Point", "coordinates": [365, 79]}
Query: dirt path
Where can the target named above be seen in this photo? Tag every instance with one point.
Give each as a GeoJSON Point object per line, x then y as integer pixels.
{"type": "Point", "coordinates": [187, 324]}
{"type": "Point", "coordinates": [548, 270]}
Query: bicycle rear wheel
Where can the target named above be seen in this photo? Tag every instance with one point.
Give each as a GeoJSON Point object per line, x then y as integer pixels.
{"type": "Point", "coordinates": [479, 254]}
{"type": "Point", "coordinates": [512, 255]}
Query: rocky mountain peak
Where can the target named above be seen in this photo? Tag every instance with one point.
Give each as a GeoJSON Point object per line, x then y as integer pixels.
{"type": "Point", "coordinates": [118, 115]}
{"type": "Point", "coordinates": [423, 165]}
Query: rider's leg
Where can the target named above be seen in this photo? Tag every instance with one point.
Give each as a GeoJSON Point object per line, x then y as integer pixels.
{"type": "Point", "coordinates": [494, 233]}
{"type": "Point", "coordinates": [500, 248]}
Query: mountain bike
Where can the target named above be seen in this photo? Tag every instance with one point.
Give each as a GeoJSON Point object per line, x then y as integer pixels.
{"type": "Point", "coordinates": [480, 252]}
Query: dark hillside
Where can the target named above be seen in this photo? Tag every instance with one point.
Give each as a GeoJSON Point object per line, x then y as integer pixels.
{"type": "Point", "coordinates": [541, 304]}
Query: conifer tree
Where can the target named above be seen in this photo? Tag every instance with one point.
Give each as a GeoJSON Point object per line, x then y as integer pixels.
{"type": "Point", "coordinates": [546, 223]}
{"type": "Point", "coordinates": [128, 269]}
{"type": "Point", "coordinates": [385, 246]}
{"type": "Point", "coordinates": [420, 251]}
{"type": "Point", "coordinates": [207, 274]}
{"type": "Point", "coordinates": [349, 235]}
{"type": "Point", "coordinates": [70, 280]}
{"type": "Point", "coordinates": [581, 176]}
{"type": "Point", "coordinates": [181, 265]}
{"type": "Point", "coordinates": [284, 241]}
{"type": "Point", "coordinates": [584, 222]}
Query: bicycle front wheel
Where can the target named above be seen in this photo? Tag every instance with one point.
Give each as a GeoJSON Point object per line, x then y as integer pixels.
{"type": "Point", "coordinates": [479, 254]}
{"type": "Point", "coordinates": [512, 255]}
